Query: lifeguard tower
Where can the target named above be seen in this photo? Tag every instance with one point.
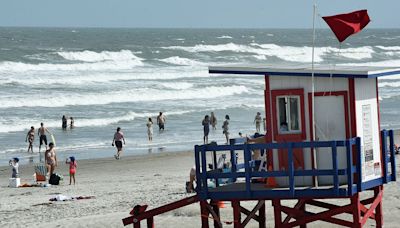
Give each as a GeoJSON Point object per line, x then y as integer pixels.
{"type": "Point", "coordinates": [322, 142]}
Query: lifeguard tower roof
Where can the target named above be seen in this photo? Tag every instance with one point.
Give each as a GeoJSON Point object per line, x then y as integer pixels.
{"type": "Point", "coordinates": [306, 71]}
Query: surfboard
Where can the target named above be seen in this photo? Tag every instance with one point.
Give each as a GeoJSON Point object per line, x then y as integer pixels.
{"type": "Point", "coordinates": [53, 139]}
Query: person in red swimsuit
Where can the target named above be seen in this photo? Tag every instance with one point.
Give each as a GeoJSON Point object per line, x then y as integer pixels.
{"type": "Point", "coordinates": [72, 168]}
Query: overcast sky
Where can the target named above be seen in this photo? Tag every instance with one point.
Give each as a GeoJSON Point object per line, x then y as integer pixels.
{"type": "Point", "coordinates": [189, 13]}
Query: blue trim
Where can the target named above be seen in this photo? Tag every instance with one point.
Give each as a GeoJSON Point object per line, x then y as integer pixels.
{"type": "Point", "coordinates": [392, 156]}
{"type": "Point", "coordinates": [305, 74]}
{"type": "Point", "coordinates": [291, 191]}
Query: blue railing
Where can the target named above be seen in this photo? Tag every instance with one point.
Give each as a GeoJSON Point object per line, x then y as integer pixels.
{"type": "Point", "coordinates": [353, 186]}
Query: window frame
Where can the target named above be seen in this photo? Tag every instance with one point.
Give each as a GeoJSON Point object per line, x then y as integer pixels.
{"type": "Point", "coordinates": [295, 135]}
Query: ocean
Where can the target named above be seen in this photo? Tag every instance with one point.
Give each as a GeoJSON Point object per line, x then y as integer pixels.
{"type": "Point", "coordinates": [109, 78]}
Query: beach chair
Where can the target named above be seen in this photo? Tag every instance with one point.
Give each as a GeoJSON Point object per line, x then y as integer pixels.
{"type": "Point", "coordinates": [40, 172]}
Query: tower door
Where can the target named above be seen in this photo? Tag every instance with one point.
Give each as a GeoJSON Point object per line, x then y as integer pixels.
{"type": "Point", "coordinates": [331, 123]}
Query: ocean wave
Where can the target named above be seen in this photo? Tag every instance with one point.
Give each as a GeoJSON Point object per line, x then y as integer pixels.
{"type": "Point", "coordinates": [389, 48]}
{"type": "Point", "coordinates": [177, 85]}
{"type": "Point", "coordinates": [133, 95]}
{"type": "Point", "coordinates": [176, 60]}
{"type": "Point", "coordinates": [287, 53]}
{"type": "Point", "coordinates": [394, 84]}
{"type": "Point", "coordinates": [9, 67]}
{"type": "Point", "coordinates": [224, 37]}
{"type": "Point", "coordinates": [80, 78]}
{"type": "Point", "coordinates": [91, 56]}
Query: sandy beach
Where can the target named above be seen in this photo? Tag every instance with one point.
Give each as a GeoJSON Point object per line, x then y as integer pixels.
{"type": "Point", "coordinates": [117, 186]}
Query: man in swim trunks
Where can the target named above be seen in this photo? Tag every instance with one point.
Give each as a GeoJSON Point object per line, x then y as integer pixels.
{"type": "Point", "coordinates": [161, 121]}
{"type": "Point", "coordinates": [42, 135]}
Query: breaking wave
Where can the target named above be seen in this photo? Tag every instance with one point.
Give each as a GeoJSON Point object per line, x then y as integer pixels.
{"type": "Point", "coordinates": [176, 60]}
{"type": "Point", "coordinates": [133, 95]}
{"type": "Point", "coordinates": [91, 56]}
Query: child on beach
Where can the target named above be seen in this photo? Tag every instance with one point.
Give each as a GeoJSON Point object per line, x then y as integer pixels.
{"type": "Point", "coordinates": [225, 127]}
{"type": "Point", "coordinates": [14, 164]}
{"type": "Point", "coordinates": [118, 138]}
{"type": "Point", "coordinates": [149, 125]}
{"type": "Point", "coordinates": [72, 168]}
{"type": "Point", "coordinates": [30, 137]}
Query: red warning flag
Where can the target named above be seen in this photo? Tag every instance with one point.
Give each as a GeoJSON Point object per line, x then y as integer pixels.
{"type": "Point", "coordinates": [344, 25]}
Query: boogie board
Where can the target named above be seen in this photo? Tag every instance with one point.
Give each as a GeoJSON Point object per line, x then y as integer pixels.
{"type": "Point", "coordinates": [53, 139]}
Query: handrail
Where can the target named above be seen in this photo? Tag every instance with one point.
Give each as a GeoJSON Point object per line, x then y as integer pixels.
{"type": "Point", "coordinates": [248, 174]}
{"type": "Point", "coordinates": [354, 182]}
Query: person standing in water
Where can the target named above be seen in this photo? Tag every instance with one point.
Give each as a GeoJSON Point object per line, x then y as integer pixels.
{"type": "Point", "coordinates": [161, 121]}
{"type": "Point", "coordinates": [213, 121]}
{"type": "Point", "coordinates": [42, 135]}
{"type": "Point", "coordinates": [30, 137]}
{"type": "Point", "coordinates": [149, 125]}
{"type": "Point", "coordinates": [258, 121]}
{"type": "Point", "coordinates": [118, 138]}
{"type": "Point", "coordinates": [71, 125]}
{"type": "Point", "coordinates": [64, 123]}
{"type": "Point", "coordinates": [206, 128]}
{"type": "Point", "coordinates": [225, 127]}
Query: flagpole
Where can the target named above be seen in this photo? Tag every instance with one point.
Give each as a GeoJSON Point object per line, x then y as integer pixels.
{"type": "Point", "coordinates": [312, 94]}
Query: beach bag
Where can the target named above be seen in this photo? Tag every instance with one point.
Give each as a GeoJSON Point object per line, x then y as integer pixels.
{"type": "Point", "coordinates": [54, 179]}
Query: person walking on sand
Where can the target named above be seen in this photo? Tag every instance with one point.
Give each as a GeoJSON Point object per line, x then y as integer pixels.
{"type": "Point", "coordinates": [206, 128]}
{"type": "Point", "coordinates": [64, 122]}
{"type": "Point", "coordinates": [30, 137]}
{"type": "Point", "coordinates": [72, 168]}
{"type": "Point", "coordinates": [257, 121]}
{"type": "Point", "coordinates": [50, 159]}
{"type": "Point", "coordinates": [225, 127]}
{"type": "Point", "coordinates": [213, 121]}
{"type": "Point", "coordinates": [118, 138]}
{"type": "Point", "coordinates": [42, 135]}
{"type": "Point", "coordinates": [161, 121]}
{"type": "Point", "coordinates": [149, 126]}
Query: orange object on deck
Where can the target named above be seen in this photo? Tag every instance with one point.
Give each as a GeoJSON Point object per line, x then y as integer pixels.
{"type": "Point", "coordinates": [271, 182]}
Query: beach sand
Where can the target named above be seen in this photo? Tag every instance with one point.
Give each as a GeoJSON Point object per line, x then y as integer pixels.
{"type": "Point", "coordinates": [118, 185]}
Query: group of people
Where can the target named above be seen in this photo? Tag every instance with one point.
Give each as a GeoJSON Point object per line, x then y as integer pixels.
{"type": "Point", "coordinates": [65, 122]}
{"type": "Point", "coordinates": [30, 137]}
{"type": "Point", "coordinates": [161, 120]}
{"type": "Point", "coordinates": [212, 120]}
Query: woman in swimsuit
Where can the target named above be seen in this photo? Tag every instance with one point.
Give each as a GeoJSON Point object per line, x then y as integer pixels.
{"type": "Point", "coordinates": [51, 158]}
{"type": "Point", "coordinates": [29, 138]}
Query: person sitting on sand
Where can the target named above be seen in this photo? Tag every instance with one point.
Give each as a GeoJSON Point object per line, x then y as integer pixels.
{"type": "Point", "coordinates": [225, 127]}
{"type": "Point", "coordinates": [192, 179]}
{"type": "Point", "coordinates": [72, 168]}
{"type": "Point", "coordinates": [149, 125]}
{"type": "Point", "coordinates": [30, 137]}
{"type": "Point", "coordinates": [42, 135]}
{"type": "Point", "coordinates": [118, 138]}
{"type": "Point", "coordinates": [51, 159]}
{"type": "Point", "coordinates": [213, 121]}
{"type": "Point", "coordinates": [161, 121]}
{"type": "Point", "coordinates": [206, 128]}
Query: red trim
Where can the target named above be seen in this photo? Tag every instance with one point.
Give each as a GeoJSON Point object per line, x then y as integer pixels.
{"type": "Point", "coordinates": [268, 115]}
{"type": "Point", "coordinates": [298, 155]}
{"type": "Point", "coordinates": [268, 118]}
{"type": "Point", "coordinates": [379, 122]}
{"type": "Point", "coordinates": [353, 119]}
{"type": "Point", "coordinates": [288, 137]}
{"type": "Point", "coordinates": [325, 94]}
